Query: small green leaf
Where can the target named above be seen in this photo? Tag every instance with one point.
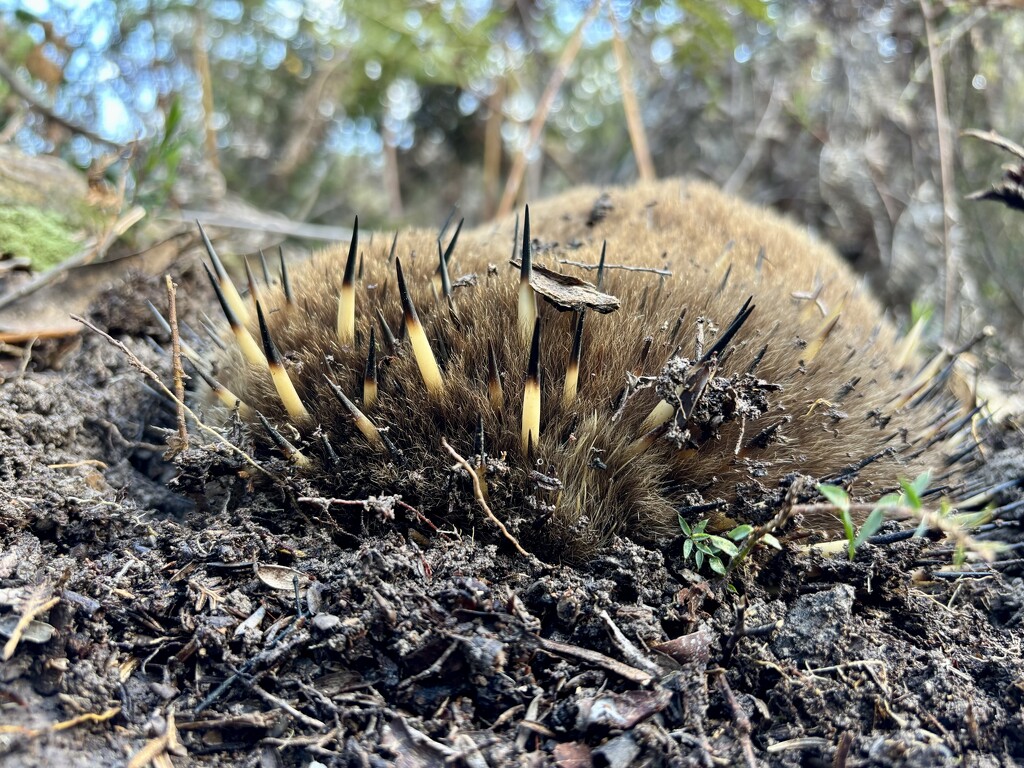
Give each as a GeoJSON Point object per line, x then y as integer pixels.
{"type": "Point", "coordinates": [703, 547]}
{"type": "Point", "coordinates": [685, 526]}
{"type": "Point", "coordinates": [740, 532]}
{"type": "Point", "coordinates": [850, 533]}
{"type": "Point", "coordinates": [913, 490]}
{"type": "Point", "coordinates": [847, 521]}
{"type": "Point", "coordinates": [870, 527]}
{"type": "Point", "coordinates": [699, 559]}
{"type": "Point", "coordinates": [835, 495]}
{"type": "Point", "coordinates": [699, 527]}
{"type": "Point", "coordinates": [889, 500]}
{"type": "Point", "coordinates": [687, 549]}
{"type": "Point", "coordinates": [771, 541]}
{"type": "Point", "coordinates": [716, 565]}
{"type": "Point", "coordinates": [724, 545]}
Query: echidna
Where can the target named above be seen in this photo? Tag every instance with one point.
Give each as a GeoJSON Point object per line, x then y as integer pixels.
{"type": "Point", "coordinates": [742, 352]}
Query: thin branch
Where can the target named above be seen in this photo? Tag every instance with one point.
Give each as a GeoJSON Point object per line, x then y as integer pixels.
{"type": "Point", "coordinates": [739, 717]}
{"type": "Point", "coordinates": [24, 92]}
{"type": "Point", "coordinates": [478, 492]}
{"type": "Point", "coordinates": [544, 104]}
{"type": "Point", "coordinates": [179, 373]}
{"type": "Point", "coordinates": [625, 671]}
{"type": "Point", "coordinates": [623, 267]}
{"type": "Point", "coordinates": [994, 138]}
{"type": "Point", "coordinates": [280, 703]}
{"type": "Point", "coordinates": [631, 106]}
{"type": "Point", "coordinates": [949, 206]}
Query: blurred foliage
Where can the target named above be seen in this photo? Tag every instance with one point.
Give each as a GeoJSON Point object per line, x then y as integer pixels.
{"type": "Point", "coordinates": [344, 78]}
{"type": "Point", "coordinates": [824, 110]}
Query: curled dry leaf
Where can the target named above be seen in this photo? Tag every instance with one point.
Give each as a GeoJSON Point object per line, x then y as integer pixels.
{"type": "Point", "coordinates": [282, 577]}
{"type": "Point", "coordinates": [36, 632]}
{"type": "Point", "coordinates": [567, 292]}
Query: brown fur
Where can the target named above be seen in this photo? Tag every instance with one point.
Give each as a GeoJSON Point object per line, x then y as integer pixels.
{"type": "Point", "coordinates": [688, 228]}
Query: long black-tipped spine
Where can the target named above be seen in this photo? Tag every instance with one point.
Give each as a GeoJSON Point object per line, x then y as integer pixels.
{"type": "Point", "coordinates": [451, 245]}
{"type": "Point", "coordinates": [526, 265]}
{"type": "Point", "coordinates": [389, 337]}
{"type": "Point", "coordinates": [394, 244]}
{"type": "Point", "coordinates": [290, 451]}
{"type": "Point", "coordinates": [264, 267]}
{"type": "Point", "coordinates": [600, 265]}
{"type": "Point", "coordinates": [422, 352]}
{"type": "Point", "coordinates": [218, 265]}
{"type": "Point", "coordinates": [350, 263]}
{"type": "Point", "coordinates": [250, 278]}
{"type": "Point", "coordinates": [286, 281]}
{"type": "Point", "coordinates": [731, 331]}
{"type": "Point", "coordinates": [164, 325]}
{"type": "Point", "coordinates": [408, 308]}
{"type": "Point", "coordinates": [533, 367]}
{"type": "Point", "coordinates": [447, 222]}
{"type": "Point", "coordinates": [442, 268]}
{"type": "Point", "coordinates": [577, 339]}
{"type": "Point", "coordinates": [229, 313]}
{"type": "Point", "coordinates": [269, 347]}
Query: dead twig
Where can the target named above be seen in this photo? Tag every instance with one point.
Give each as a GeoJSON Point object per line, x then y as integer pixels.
{"type": "Point", "coordinates": [623, 267]}
{"type": "Point", "coordinates": [478, 492]}
{"type": "Point", "coordinates": [1005, 144]}
{"type": "Point", "coordinates": [739, 717]}
{"type": "Point", "coordinates": [24, 92]}
{"type": "Point", "coordinates": [950, 215]}
{"type": "Point", "coordinates": [628, 649]}
{"type": "Point", "coordinates": [136, 363]}
{"type": "Point", "coordinates": [63, 725]}
{"type": "Point", "coordinates": [179, 373]}
{"type": "Point", "coordinates": [280, 703]}
{"type": "Point", "coordinates": [83, 463]}
{"type": "Point", "coordinates": [370, 504]}
{"type": "Point", "coordinates": [634, 675]}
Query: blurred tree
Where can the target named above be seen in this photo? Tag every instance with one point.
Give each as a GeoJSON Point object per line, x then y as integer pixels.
{"type": "Point", "coordinates": [316, 109]}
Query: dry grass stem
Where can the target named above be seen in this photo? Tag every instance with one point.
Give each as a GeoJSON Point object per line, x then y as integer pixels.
{"type": "Point", "coordinates": [179, 373]}
{"type": "Point", "coordinates": [478, 492]}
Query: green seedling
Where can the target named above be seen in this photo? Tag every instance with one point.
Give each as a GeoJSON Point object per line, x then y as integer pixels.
{"type": "Point", "coordinates": [701, 545]}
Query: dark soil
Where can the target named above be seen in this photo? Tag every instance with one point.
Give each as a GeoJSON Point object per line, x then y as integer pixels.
{"type": "Point", "coordinates": [202, 618]}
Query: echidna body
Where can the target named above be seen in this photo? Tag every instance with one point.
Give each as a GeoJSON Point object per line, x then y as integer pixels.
{"type": "Point", "coordinates": [666, 413]}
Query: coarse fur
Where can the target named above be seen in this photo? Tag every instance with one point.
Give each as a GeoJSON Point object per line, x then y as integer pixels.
{"type": "Point", "coordinates": [810, 383]}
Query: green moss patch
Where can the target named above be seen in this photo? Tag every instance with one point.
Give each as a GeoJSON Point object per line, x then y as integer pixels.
{"type": "Point", "coordinates": [43, 238]}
